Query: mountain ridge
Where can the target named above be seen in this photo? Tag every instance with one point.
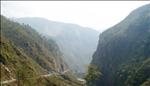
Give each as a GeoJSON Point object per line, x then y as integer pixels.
{"type": "Point", "coordinates": [26, 56]}
{"type": "Point", "coordinates": [122, 47]}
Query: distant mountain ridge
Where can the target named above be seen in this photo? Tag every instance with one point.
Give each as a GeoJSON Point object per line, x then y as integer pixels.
{"type": "Point", "coordinates": [123, 52]}
{"type": "Point", "coordinates": [76, 43]}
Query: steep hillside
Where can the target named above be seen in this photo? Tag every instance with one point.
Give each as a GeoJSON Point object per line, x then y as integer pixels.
{"type": "Point", "coordinates": [123, 53]}
{"type": "Point", "coordinates": [26, 57]}
{"type": "Point", "coordinates": [76, 43]}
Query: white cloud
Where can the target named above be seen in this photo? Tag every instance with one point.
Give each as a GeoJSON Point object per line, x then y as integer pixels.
{"type": "Point", "coordinates": [98, 15]}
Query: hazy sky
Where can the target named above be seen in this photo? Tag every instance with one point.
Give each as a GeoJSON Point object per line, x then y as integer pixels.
{"type": "Point", "coordinates": [99, 15]}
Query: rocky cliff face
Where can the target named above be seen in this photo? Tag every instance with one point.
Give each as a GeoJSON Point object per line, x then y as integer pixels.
{"type": "Point", "coordinates": [124, 49]}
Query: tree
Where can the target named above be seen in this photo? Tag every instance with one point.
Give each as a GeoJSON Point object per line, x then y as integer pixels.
{"type": "Point", "coordinates": [93, 74]}
{"type": "Point", "coordinates": [25, 76]}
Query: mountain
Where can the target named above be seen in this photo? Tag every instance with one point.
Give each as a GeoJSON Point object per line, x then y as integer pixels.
{"type": "Point", "coordinates": [76, 43]}
{"type": "Point", "coordinates": [29, 59]}
{"type": "Point", "coordinates": [123, 51]}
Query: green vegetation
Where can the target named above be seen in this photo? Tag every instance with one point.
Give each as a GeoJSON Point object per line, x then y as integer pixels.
{"type": "Point", "coordinates": [25, 76]}
{"type": "Point", "coordinates": [123, 53]}
{"type": "Point", "coordinates": [92, 75]}
{"type": "Point", "coordinates": [30, 43]}
{"type": "Point", "coordinates": [133, 74]}
{"type": "Point", "coordinates": [26, 56]}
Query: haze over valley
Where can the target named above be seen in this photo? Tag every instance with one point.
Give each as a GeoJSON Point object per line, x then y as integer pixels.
{"type": "Point", "coordinates": [48, 43]}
